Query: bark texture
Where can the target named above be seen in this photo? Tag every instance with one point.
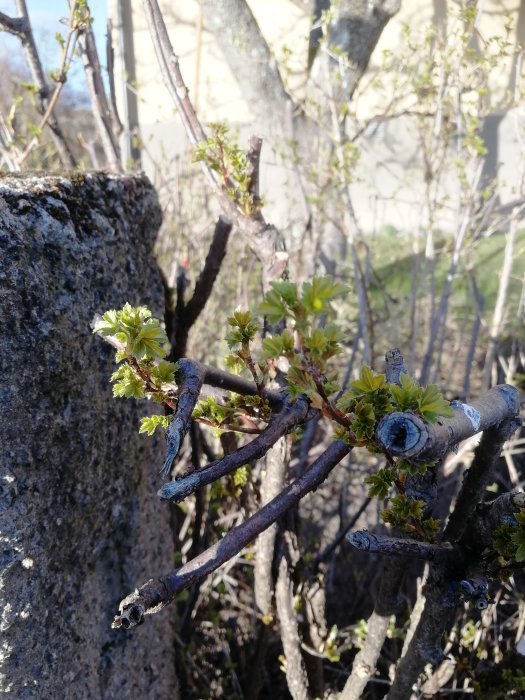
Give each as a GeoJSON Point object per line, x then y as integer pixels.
{"type": "Point", "coordinates": [79, 518]}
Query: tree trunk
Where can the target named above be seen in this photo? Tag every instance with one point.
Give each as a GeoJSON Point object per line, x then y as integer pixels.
{"type": "Point", "coordinates": [80, 520]}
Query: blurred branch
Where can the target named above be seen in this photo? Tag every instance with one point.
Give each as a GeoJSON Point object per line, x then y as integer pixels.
{"type": "Point", "coordinates": [295, 670]}
{"type": "Point", "coordinates": [101, 110]}
{"type": "Point", "coordinates": [400, 547]}
{"type": "Point", "coordinates": [501, 299]}
{"type": "Point", "coordinates": [21, 27]}
{"type": "Point", "coordinates": [183, 318]}
{"type": "Point", "coordinates": [265, 240]}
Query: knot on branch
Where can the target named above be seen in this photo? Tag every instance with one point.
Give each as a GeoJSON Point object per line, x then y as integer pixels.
{"type": "Point", "coordinates": [361, 540]}
{"type": "Point", "coordinates": [402, 434]}
{"type": "Point", "coordinates": [476, 590]}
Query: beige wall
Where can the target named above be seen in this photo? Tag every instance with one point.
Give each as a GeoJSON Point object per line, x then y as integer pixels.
{"type": "Point", "coordinates": [389, 183]}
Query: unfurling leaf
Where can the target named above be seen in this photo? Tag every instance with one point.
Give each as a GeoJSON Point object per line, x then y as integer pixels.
{"type": "Point", "coordinates": [150, 423]}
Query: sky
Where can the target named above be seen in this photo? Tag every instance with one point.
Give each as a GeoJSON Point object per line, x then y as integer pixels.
{"type": "Point", "coordinates": [45, 18]}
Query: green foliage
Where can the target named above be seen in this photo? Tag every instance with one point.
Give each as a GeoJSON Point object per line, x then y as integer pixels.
{"type": "Point", "coordinates": [427, 401]}
{"type": "Point", "coordinates": [380, 483]}
{"type": "Point", "coordinates": [150, 423]}
{"type": "Point", "coordinates": [230, 413]}
{"type": "Point", "coordinates": [283, 301]}
{"type": "Point", "coordinates": [142, 374]}
{"type": "Point", "coordinates": [514, 680]}
{"type": "Point", "coordinates": [127, 383]}
{"type": "Point", "coordinates": [244, 329]}
{"type": "Point", "coordinates": [141, 335]}
{"type": "Point", "coordinates": [407, 513]}
{"type": "Point", "coordinates": [307, 345]}
{"type": "Point", "coordinates": [402, 508]}
{"type": "Point", "coordinates": [222, 155]}
{"type": "Point", "coordinates": [509, 540]}
{"type": "Point", "coordinates": [364, 421]}
{"type": "Point", "coordinates": [370, 388]}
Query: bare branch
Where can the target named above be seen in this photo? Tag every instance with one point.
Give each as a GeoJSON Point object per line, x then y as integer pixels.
{"type": "Point", "coordinates": [279, 425]}
{"type": "Point", "coordinates": [14, 25]}
{"type": "Point", "coordinates": [264, 239]}
{"type": "Point", "coordinates": [296, 677]}
{"type": "Point", "coordinates": [99, 101]}
{"type": "Point", "coordinates": [399, 547]}
{"type": "Point", "coordinates": [189, 377]}
{"type": "Point", "coordinates": [272, 482]}
{"type": "Point", "coordinates": [479, 475]}
{"type": "Point", "coordinates": [251, 61]}
{"type": "Point", "coordinates": [387, 603]}
{"type": "Point", "coordinates": [156, 594]}
{"type": "Point", "coordinates": [21, 27]}
{"type": "Point", "coordinates": [188, 314]}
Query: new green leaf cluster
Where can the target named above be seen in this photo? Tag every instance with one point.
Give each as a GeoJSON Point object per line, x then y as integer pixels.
{"type": "Point", "coordinates": [141, 335]}
{"type": "Point", "coordinates": [222, 155]}
{"type": "Point", "coordinates": [142, 373]}
{"type": "Point", "coordinates": [408, 514]}
{"type": "Point", "coordinates": [509, 540]}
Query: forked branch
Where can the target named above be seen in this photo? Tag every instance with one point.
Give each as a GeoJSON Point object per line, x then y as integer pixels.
{"type": "Point", "coordinates": [157, 593]}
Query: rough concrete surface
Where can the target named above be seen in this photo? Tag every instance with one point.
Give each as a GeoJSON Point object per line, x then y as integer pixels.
{"type": "Point", "coordinates": [80, 522]}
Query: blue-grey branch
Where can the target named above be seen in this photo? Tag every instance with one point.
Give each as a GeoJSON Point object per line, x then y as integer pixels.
{"type": "Point", "coordinates": [408, 436]}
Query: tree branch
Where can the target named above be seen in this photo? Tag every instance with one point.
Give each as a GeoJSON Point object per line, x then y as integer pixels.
{"type": "Point", "coordinates": [407, 435]}
{"type": "Point", "coordinates": [185, 317]}
{"type": "Point", "coordinates": [21, 27]}
{"type": "Point", "coordinates": [280, 424]}
{"type": "Point", "coordinates": [265, 240]}
{"type": "Point", "coordinates": [189, 377]}
{"type": "Point", "coordinates": [101, 109]}
{"type": "Point", "coordinates": [479, 475]}
{"type": "Point", "coordinates": [157, 593]}
{"type": "Point", "coordinates": [251, 62]}
{"type": "Point", "coordinates": [399, 547]}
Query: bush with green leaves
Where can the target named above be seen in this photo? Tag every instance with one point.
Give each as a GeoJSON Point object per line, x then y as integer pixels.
{"type": "Point", "coordinates": [300, 354]}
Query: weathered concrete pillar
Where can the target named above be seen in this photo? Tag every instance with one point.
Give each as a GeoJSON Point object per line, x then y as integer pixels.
{"type": "Point", "coordinates": [80, 522]}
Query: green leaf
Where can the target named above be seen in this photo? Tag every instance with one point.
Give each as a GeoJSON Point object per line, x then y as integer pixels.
{"type": "Point", "coordinates": [288, 292]}
{"type": "Point", "coordinates": [369, 381]}
{"type": "Point", "coordinates": [431, 404]}
{"type": "Point", "coordinates": [502, 541]}
{"type": "Point", "coordinates": [163, 372]}
{"type": "Point", "coordinates": [405, 397]}
{"type": "Point", "coordinates": [127, 383]}
{"type": "Point", "coordinates": [318, 293]}
{"type": "Point", "coordinates": [150, 423]}
{"type": "Point", "coordinates": [272, 347]}
{"type": "Point", "coordinates": [363, 423]}
{"type": "Point", "coordinates": [520, 553]}
{"type": "Point", "coordinates": [240, 476]}
{"type": "Point", "coordinates": [273, 307]}
{"type": "Point", "coordinates": [380, 483]}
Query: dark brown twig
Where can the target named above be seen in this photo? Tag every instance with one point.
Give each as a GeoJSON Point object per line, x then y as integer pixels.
{"type": "Point", "coordinates": [187, 314]}
{"type": "Point", "coordinates": [189, 376]}
{"type": "Point", "coordinates": [400, 547]}
{"type": "Point", "coordinates": [279, 425]}
{"type": "Point", "coordinates": [157, 593]}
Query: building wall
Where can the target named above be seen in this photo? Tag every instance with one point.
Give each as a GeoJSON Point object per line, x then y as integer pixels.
{"type": "Point", "coordinates": [389, 181]}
